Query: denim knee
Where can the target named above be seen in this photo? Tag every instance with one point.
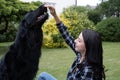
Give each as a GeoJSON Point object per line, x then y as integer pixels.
{"type": "Point", "coordinates": [46, 76]}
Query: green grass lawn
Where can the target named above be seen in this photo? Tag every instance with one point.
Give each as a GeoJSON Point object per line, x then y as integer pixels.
{"type": "Point", "coordinates": [58, 61]}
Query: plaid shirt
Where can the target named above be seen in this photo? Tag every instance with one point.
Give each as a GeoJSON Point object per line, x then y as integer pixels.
{"type": "Point", "coordinates": [78, 71]}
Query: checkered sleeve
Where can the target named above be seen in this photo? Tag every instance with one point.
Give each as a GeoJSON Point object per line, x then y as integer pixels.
{"type": "Point", "coordinates": [66, 36]}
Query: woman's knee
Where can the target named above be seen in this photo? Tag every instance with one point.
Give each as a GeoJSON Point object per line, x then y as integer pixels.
{"type": "Point", "coordinates": [46, 76]}
{"type": "Point", "coordinates": [43, 74]}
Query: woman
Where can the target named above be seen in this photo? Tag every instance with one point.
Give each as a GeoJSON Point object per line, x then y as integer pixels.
{"type": "Point", "coordinates": [88, 64]}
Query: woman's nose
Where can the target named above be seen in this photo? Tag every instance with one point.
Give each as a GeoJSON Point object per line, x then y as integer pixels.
{"type": "Point", "coordinates": [75, 40]}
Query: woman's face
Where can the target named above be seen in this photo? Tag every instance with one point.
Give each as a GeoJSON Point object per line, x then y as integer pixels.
{"type": "Point", "coordinates": [79, 44]}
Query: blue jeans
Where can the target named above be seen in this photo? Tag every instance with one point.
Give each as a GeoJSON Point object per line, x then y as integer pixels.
{"type": "Point", "coordinates": [46, 76]}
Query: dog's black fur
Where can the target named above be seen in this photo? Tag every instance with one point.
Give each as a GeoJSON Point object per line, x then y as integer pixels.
{"type": "Point", "coordinates": [22, 59]}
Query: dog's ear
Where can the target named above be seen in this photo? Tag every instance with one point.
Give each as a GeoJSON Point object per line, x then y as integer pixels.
{"type": "Point", "coordinates": [29, 18]}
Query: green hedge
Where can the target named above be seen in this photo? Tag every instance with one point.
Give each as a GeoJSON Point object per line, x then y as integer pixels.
{"type": "Point", "coordinates": [9, 35]}
{"type": "Point", "coordinates": [109, 29]}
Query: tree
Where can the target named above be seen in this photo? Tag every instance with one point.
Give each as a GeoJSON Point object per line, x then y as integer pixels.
{"type": "Point", "coordinates": [110, 8]}
{"type": "Point", "coordinates": [78, 19]}
{"type": "Point", "coordinates": [94, 16]}
{"type": "Point", "coordinates": [13, 11]}
{"type": "Point", "coordinates": [109, 29]}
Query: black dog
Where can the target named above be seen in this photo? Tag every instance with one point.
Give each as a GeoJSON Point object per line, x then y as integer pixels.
{"type": "Point", "coordinates": [22, 59]}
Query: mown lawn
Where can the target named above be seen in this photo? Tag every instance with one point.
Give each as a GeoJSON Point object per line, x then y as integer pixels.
{"type": "Point", "coordinates": [58, 61]}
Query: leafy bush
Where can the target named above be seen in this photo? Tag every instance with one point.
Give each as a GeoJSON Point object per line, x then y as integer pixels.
{"type": "Point", "coordinates": [94, 16]}
{"type": "Point", "coordinates": [2, 38]}
{"type": "Point", "coordinates": [78, 21]}
{"type": "Point", "coordinates": [52, 37]}
{"type": "Point", "coordinates": [9, 35]}
{"type": "Point", "coordinates": [109, 29]}
{"type": "Point", "coordinates": [82, 22]}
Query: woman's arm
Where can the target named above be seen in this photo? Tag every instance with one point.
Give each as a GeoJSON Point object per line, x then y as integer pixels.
{"type": "Point", "coordinates": [66, 36]}
{"type": "Point", "coordinates": [62, 28]}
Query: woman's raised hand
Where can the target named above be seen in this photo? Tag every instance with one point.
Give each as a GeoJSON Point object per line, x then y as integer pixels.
{"type": "Point", "coordinates": [53, 12]}
{"type": "Point", "coordinates": [51, 8]}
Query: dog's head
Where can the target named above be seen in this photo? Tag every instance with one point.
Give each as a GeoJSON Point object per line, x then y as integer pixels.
{"type": "Point", "coordinates": [36, 17]}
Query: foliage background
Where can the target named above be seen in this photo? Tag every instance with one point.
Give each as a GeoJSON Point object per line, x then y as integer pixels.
{"type": "Point", "coordinates": [109, 29]}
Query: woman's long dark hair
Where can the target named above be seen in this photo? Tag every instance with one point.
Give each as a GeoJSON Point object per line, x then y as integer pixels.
{"type": "Point", "coordinates": [94, 52]}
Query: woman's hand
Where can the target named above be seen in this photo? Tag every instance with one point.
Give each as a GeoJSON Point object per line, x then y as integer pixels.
{"type": "Point", "coordinates": [51, 8]}
{"type": "Point", "coordinates": [53, 12]}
